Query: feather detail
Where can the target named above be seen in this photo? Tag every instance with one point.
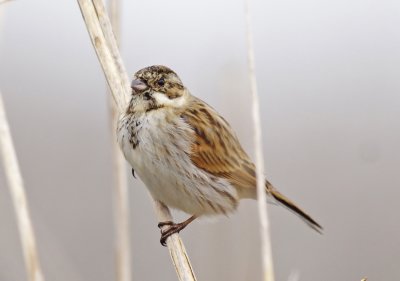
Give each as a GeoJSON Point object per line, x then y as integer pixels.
{"type": "Point", "coordinates": [216, 149]}
{"type": "Point", "coordinates": [282, 199]}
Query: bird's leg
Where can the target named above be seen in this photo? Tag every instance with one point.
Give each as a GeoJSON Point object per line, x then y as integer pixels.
{"type": "Point", "coordinates": [173, 228]}
{"type": "Point", "coordinates": [133, 173]}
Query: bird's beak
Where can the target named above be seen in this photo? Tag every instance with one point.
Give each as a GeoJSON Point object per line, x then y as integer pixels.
{"type": "Point", "coordinates": [138, 86]}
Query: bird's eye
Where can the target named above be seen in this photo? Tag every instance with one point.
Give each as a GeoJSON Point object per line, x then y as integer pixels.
{"type": "Point", "coordinates": [161, 82]}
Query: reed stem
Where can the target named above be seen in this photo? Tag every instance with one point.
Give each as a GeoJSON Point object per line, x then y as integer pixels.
{"type": "Point", "coordinates": [103, 40]}
{"type": "Point", "coordinates": [18, 194]}
{"type": "Point", "coordinates": [266, 251]}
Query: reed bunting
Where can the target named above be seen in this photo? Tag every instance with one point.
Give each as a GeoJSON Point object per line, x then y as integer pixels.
{"type": "Point", "coordinates": [187, 154]}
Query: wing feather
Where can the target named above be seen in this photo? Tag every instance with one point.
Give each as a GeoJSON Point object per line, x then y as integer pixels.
{"type": "Point", "coordinates": [215, 148]}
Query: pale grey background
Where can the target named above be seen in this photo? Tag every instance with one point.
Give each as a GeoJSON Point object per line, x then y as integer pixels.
{"type": "Point", "coordinates": [328, 74]}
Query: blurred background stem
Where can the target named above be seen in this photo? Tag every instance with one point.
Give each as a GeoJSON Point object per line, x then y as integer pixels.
{"type": "Point", "coordinates": [18, 194]}
{"type": "Point", "coordinates": [121, 193]}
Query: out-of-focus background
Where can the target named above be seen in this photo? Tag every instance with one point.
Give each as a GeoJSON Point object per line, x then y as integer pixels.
{"type": "Point", "coordinates": [328, 74]}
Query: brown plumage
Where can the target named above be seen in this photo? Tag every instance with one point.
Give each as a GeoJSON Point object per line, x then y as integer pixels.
{"type": "Point", "coordinates": [186, 153]}
{"type": "Point", "coordinates": [227, 159]}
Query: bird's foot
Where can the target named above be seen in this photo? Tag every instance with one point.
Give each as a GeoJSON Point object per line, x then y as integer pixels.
{"type": "Point", "coordinates": [173, 228]}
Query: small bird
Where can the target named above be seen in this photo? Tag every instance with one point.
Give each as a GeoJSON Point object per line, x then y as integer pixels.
{"type": "Point", "coordinates": [187, 154]}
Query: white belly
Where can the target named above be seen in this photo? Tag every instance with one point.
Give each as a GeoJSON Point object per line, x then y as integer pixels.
{"type": "Point", "coordinates": [161, 159]}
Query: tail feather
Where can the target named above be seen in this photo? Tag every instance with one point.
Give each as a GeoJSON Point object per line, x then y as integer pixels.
{"type": "Point", "coordinates": [293, 207]}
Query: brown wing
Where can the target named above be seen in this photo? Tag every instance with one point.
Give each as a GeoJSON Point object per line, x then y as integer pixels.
{"type": "Point", "coordinates": [216, 148]}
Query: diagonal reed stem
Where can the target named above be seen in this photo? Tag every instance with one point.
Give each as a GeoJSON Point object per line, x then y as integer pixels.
{"type": "Point", "coordinates": [103, 41]}
{"type": "Point", "coordinates": [267, 264]}
{"type": "Point", "coordinates": [16, 186]}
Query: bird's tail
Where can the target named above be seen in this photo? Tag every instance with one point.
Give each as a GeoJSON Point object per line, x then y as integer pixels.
{"type": "Point", "coordinates": [292, 207]}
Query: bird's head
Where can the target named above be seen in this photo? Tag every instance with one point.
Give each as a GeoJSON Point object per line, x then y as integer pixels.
{"type": "Point", "coordinates": [156, 87]}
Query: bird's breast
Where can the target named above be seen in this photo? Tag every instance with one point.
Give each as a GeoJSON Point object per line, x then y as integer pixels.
{"type": "Point", "coordinates": [158, 148]}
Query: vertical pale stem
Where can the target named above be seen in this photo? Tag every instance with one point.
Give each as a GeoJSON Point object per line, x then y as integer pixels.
{"type": "Point", "coordinates": [16, 186]}
{"type": "Point", "coordinates": [100, 32]}
{"type": "Point", "coordinates": [121, 194]}
{"type": "Point", "coordinates": [267, 264]}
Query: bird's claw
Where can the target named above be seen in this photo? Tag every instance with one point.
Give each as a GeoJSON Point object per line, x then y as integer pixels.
{"type": "Point", "coordinates": [173, 228]}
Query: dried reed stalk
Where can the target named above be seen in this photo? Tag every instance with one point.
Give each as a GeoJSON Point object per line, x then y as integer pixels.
{"type": "Point", "coordinates": [267, 264]}
{"type": "Point", "coordinates": [16, 186]}
{"type": "Point", "coordinates": [103, 40]}
{"type": "Point", "coordinates": [4, 1]}
{"type": "Point", "coordinates": [121, 194]}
